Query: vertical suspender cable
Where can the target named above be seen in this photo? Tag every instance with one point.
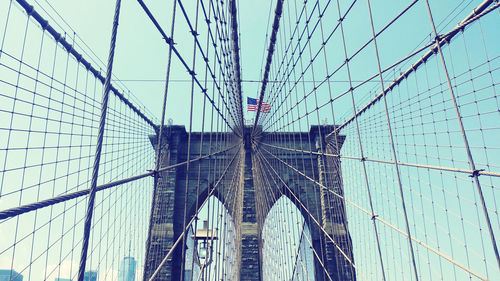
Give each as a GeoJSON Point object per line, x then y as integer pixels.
{"type": "Point", "coordinates": [393, 147]}
{"type": "Point", "coordinates": [100, 136]}
{"type": "Point", "coordinates": [361, 151]}
{"type": "Point", "coordinates": [475, 172]}
{"type": "Point", "coordinates": [160, 135]}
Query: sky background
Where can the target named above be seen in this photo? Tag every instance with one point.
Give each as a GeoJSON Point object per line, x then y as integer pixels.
{"type": "Point", "coordinates": [425, 127]}
{"type": "Point", "coordinates": [142, 54]}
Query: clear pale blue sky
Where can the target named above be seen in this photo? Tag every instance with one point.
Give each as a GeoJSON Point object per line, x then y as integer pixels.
{"type": "Point", "coordinates": [141, 54]}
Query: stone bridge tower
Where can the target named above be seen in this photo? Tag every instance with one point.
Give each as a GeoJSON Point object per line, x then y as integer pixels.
{"type": "Point", "coordinates": [320, 172]}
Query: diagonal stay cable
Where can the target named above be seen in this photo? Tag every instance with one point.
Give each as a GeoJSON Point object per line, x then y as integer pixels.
{"type": "Point", "coordinates": [326, 40]}
{"type": "Point", "coordinates": [464, 135]}
{"type": "Point", "coordinates": [159, 148]}
{"type": "Point", "coordinates": [270, 52]}
{"type": "Point", "coordinates": [476, 14]}
{"type": "Point", "coordinates": [403, 76]}
{"type": "Point", "coordinates": [12, 212]}
{"type": "Point", "coordinates": [437, 252]}
{"type": "Point", "coordinates": [199, 48]}
{"type": "Point", "coordinates": [191, 72]}
{"type": "Point", "coordinates": [267, 175]}
{"type": "Point", "coordinates": [416, 165]}
{"type": "Point", "coordinates": [181, 236]}
{"type": "Point", "coordinates": [222, 57]}
{"type": "Point", "coordinates": [327, 235]}
{"type": "Point", "coordinates": [79, 58]}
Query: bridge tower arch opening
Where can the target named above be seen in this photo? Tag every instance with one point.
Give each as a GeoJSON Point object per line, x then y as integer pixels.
{"type": "Point", "coordinates": [287, 247]}
{"type": "Point", "coordinates": [184, 191]}
{"type": "Point", "coordinates": [219, 261]}
{"type": "Point", "coordinates": [240, 180]}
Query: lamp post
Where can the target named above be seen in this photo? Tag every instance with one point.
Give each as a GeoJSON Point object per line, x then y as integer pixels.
{"type": "Point", "coordinates": [203, 241]}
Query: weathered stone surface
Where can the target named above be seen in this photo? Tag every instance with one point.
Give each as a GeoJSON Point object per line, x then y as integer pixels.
{"type": "Point", "coordinates": [167, 216]}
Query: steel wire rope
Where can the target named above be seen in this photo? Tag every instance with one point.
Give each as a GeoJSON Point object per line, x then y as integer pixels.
{"type": "Point", "coordinates": [457, 239]}
{"type": "Point", "coordinates": [462, 129]}
{"type": "Point", "coordinates": [379, 219]}
{"type": "Point", "coordinates": [322, 147]}
{"type": "Point", "coordinates": [62, 41]}
{"type": "Point", "coordinates": [265, 40]}
{"type": "Point", "coordinates": [25, 160]}
{"type": "Point", "coordinates": [262, 159]}
{"type": "Point", "coordinates": [100, 136]}
{"type": "Point", "coordinates": [274, 197]}
{"type": "Point", "coordinates": [300, 142]}
{"type": "Point", "coordinates": [193, 219]}
{"type": "Point", "coordinates": [280, 137]}
{"type": "Point", "coordinates": [297, 19]}
{"type": "Point", "coordinates": [272, 44]}
{"type": "Point", "coordinates": [283, 240]}
{"type": "Point", "coordinates": [202, 138]}
{"type": "Point", "coordinates": [488, 59]}
{"type": "Point", "coordinates": [404, 75]}
{"type": "Point", "coordinates": [191, 72]}
{"type": "Point", "coordinates": [303, 12]}
{"type": "Point", "coordinates": [70, 141]}
{"type": "Point", "coordinates": [195, 33]}
{"type": "Point", "coordinates": [222, 19]}
{"type": "Point", "coordinates": [477, 13]}
{"type": "Point", "coordinates": [12, 212]}
{"type": "Point", "coordinates": [159, 147]}
{"type": "Point", "coordinates": [49, 248]}
{"type": "Point", "coordinates": [278, 11]}
{"type": "Point", "coordinates": [9, 135]}
{"type": "Point", "coordinates": [416, 178]}
{"type": "Point", "coordinates": [323, 244]}
{"type": "Point", "coordinates": [333, 31]}
{"type": "Point", "coordinates": [223, 50]}
{"type": "Point", "coordinates": [88, 52]}
{"type": "Point", "coordinates": [432, 200]}
{"type": "Point", "coordinates": [473, 89]}
{"type": "Point", "coordinates": [298, 257]}
{"type": "Point", "coordinates": [217, 31]}
{"type": "Point", "coordinates": [38, 191]}
{"type": "Point", "coordinates": [336, 145]}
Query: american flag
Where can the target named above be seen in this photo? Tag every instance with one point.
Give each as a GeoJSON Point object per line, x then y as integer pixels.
{"type": "Point", "coordinates": [253, 104]}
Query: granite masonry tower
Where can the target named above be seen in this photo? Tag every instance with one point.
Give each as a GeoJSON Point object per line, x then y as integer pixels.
{"type": "Point", "coordinates": [167, 214]}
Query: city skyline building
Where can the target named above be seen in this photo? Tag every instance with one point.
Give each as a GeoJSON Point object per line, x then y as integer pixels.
{"type": "Point", "coordinates": [127, 269]}
{"type": "Point", "coordinates": [10, 275]}
{"type": "Point", "coordinates": [90, 276]}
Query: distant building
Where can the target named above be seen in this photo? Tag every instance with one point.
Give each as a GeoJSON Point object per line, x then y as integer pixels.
{"type": "Point", "coordinates": [90, 276]}
{"type": "Point", "coordinates": [127, 269]}
{"type": "Point", "coordinates": [10, 275]}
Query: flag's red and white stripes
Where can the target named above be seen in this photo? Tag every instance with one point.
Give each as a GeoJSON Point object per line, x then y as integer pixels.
{"type": "Point", "coordinates": [265, 108]}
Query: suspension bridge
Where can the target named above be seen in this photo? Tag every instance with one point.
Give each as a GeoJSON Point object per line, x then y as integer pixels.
{"type": "Point", "coordinates": [363, 145]}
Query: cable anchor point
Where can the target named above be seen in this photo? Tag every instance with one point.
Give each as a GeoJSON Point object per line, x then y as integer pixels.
{"type": "Point", "coordinates": [476, 173]}
{"type": "Point", "coordinates": [154, 173]}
